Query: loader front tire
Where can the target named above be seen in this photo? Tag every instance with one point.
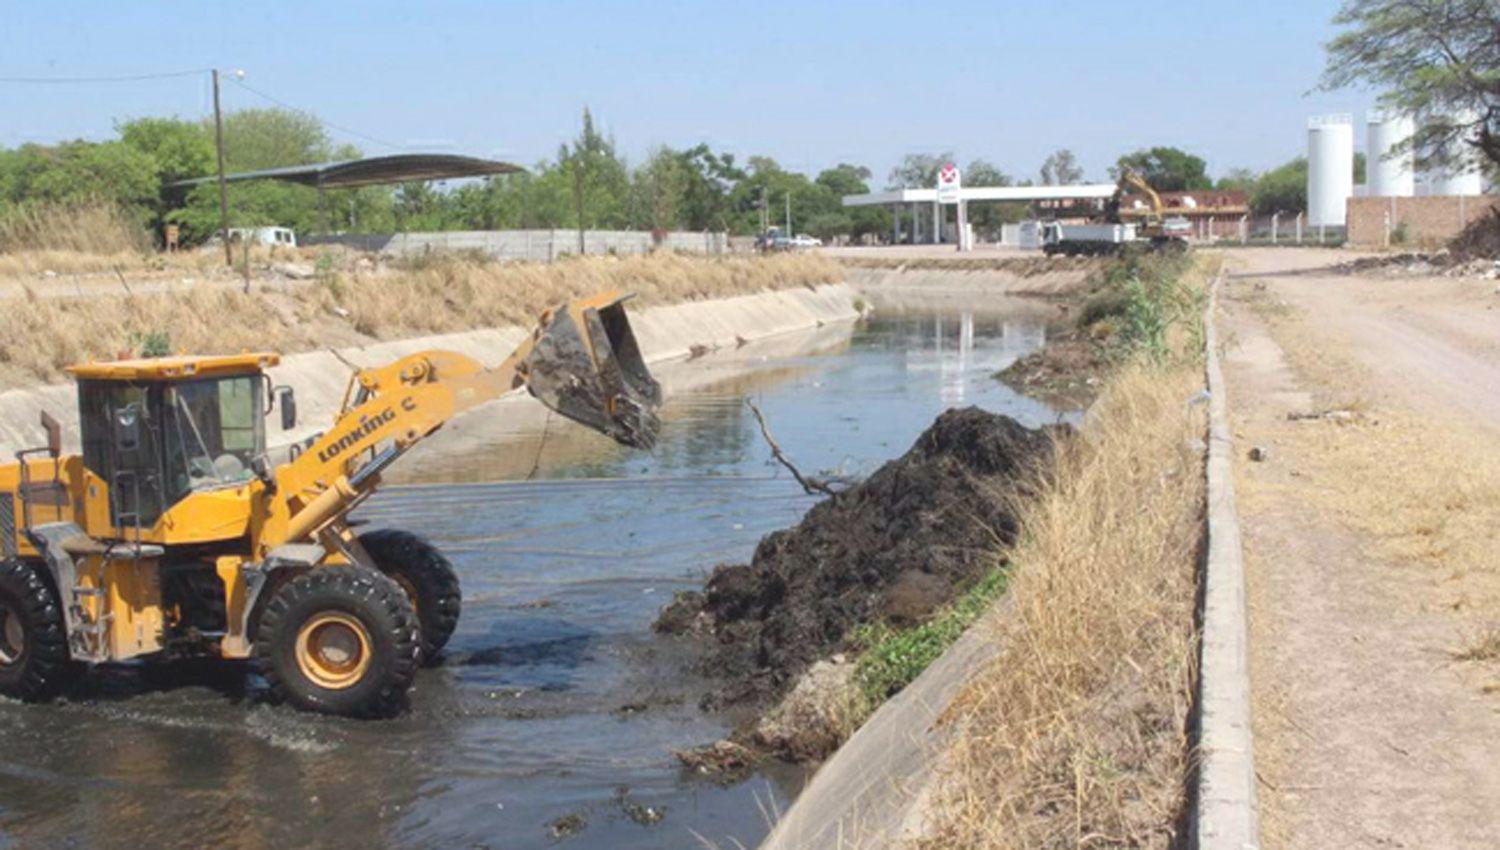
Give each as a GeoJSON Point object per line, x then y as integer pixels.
{"type": "Point", "coordinates": [339, 640]}
{"type": "Point", "coordinates": [426, 576]}
{"type": "Point", "coordinates": [34, 663]}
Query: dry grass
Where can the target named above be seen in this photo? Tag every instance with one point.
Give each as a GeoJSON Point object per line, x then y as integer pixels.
{"type": "Point", "coordinates": [69, 238]}
{"type": "Point", "coordinates": [1485, 646]}
{"type": "Point", "coordinates": [41, 335]}
{"type": "Point", "coordinates": [460, 293]}
{"type": "Point", "coordinates": [1075, 735]}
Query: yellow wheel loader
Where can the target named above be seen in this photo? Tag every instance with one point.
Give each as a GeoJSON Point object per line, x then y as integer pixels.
{"type": "Point", "coordinates": [174, 535]}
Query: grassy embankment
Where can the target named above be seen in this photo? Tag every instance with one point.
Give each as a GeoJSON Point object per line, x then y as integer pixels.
{"type": "Point", "coordinates": [1112, 323]}
{"type": "Point", "coordinates": [350, 300]}
{"type": "Point", "coordinates": [1075, 734]}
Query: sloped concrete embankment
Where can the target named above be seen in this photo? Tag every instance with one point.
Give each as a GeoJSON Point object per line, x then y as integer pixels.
{"type": "Point", "coordinates": [320, 378]}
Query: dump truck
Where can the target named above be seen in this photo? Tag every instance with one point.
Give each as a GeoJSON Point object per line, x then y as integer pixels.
{"type": "Point", "coordinates": [1085, 239]}
{"type": "Point", "coordinates": [173, 534]}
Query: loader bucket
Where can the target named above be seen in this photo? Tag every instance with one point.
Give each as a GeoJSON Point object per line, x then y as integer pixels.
{"type": "Point", "coordinates": [586, 365]}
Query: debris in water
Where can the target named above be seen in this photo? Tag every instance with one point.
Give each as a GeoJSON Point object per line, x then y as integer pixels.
{"type": "Point", "coordinates": [726, 762]}
{"type": "Point", "coordinates": [641, 814]}
{"type": "Point", "coordinates": [568, 825]}
{"type": "Point", "coordinates": [810, 486]}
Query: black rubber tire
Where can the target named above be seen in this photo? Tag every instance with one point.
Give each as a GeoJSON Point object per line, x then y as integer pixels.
{"type": "Point", "coordinates": [41, 668]}
{"type": "Point", "coordinates": [379, 605]}
{"type": "Point", "coordinates": [412, 560]}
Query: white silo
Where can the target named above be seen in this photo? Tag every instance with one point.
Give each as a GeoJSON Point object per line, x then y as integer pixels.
{"type": "Point", "coordinates": [1463, 176]}
{"type": "Point", "coordinates": [1330, 168]}
{"type": "Point", "coordinates": [1389, 174]}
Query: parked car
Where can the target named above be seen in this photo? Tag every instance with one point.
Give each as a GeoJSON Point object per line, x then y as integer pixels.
{"type": "Point", "coordinates": [802, 240]}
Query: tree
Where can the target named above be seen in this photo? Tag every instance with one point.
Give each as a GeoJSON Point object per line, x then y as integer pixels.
{"type": "Point", "coordinates": [1236, 179]}
{"type": "Point", "coordinates": [845, 179]}
{"type": "Point", "coordinates": [982, 173]}
{"type": "Point", "coordinates": [1166, 169]}
{"type": "Point", "coordinates": [78, 172]}
{"type": "Point", "coordinates": [181, 150]}
{"type": "Point", "coordinates": [918, 170]}
{"type": "Point", "coordinates": [708, 180]}
{"type": "Point", "coordinates": [988, 216]}
{"type": "Point", "coordinates": [597, 179]}
{"type": "Point", "coordinates": [658, 189]}
{"type": "Point", "coordinates": [1282, 189]}
{"type": "Point", "coordinates": [1436, 60]}
{"type": "Point", "coordinates": [1061, 168]}
{"type": "Point", "coordinates": [840, 180]}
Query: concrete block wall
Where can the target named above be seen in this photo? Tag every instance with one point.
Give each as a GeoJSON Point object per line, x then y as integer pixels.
{"type": "Point", "coordinates": [1429, 220]}
{"type": "Point", "coordinates": [535, 245]}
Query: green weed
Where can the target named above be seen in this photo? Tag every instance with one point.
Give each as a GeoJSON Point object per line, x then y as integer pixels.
{"type": "Point", "coordinates": [893, 658]}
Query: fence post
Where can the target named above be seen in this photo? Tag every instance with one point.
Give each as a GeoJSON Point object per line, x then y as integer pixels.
{"type": "Point", "coordinates": [1299, 228]}
{"type": "Point", "coordinates": [1275, 224]}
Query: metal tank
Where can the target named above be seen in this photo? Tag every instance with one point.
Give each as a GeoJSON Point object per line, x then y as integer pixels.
{"type": "Point", "coordinates": [1387, 172]}
{"type": "Point", "coordinates": [1330, 168]}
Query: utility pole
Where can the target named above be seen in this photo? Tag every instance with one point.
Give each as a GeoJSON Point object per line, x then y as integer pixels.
{"type": "Point", "coordinates": [789, 215]}
{"type": "Point", "coordinates": [223, 186]}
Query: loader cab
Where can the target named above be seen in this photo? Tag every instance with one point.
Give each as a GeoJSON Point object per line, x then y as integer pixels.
{"type": "Point", "coordinates": [159, 430]}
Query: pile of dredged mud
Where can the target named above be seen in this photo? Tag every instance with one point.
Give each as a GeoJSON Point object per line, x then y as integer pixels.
{"type": "Point", "coordinates": [893, 548]}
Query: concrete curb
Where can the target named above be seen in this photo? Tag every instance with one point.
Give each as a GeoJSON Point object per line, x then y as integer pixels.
{"type": "Point", "coordinates": [1225, 813]}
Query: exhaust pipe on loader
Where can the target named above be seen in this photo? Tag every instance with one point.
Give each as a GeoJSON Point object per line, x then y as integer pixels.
{"type": "Point", "coordinates": [586, 365]}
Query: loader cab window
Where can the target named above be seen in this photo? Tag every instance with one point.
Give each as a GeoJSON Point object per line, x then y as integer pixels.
{"type": "Point", "coordinates": [213, 432]}
{"type": "Point", "coordinates": [121, 444]}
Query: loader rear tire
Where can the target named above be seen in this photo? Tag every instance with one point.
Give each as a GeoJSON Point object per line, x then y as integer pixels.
{"type": "Point", "coordinates": [34, 663]}
{"type": "Point", "coordinates": [339, 640]}
{"type": "Point", "coordinates": [426, 576]}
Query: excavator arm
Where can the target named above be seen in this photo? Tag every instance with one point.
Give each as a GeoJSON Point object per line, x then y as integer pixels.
{"type": "Point", "coordinates": [582, 360]}
{"type": "Point", "coordinates": [1132, 179]}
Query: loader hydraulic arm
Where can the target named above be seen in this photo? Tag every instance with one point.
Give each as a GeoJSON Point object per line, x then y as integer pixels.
{"type": "Point", "coordinates": [581, 360]}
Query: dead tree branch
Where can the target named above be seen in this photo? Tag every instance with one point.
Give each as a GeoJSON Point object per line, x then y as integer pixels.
{"type": "Point", "coordinates": [810, 486]}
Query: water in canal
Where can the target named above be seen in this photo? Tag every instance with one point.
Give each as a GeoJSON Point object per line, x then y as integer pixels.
{"type": "Point", "coordinates": [555, 698]}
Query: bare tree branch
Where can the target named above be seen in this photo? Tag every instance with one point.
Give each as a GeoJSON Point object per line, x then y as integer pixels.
{"type": "Point", "coordinates": [810, 486]}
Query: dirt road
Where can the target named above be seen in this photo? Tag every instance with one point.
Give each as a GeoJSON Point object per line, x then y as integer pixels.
{"type": "Point", "coordinates": [1369, 529]}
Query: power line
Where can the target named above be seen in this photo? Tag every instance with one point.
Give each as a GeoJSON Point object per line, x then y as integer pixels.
{"type": "Point", "coordinates": [125, 78]}
{"type": "Point", "coordinates": [284, 105]}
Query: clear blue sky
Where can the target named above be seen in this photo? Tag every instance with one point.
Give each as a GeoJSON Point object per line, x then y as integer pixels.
{"type": "Point", "coordinates": [811, 84]}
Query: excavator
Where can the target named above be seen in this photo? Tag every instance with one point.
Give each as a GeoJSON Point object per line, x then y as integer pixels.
{"type": "Point", "coordinates": [1155, 227]}
{"type": "Point", "coordinates": [174, 535]}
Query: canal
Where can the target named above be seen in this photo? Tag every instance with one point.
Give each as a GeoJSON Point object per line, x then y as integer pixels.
{"type": "Point", "coordinates": [556, 708]}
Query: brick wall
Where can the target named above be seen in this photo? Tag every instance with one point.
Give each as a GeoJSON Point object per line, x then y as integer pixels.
{"type": "Point", "coordinates": [1429, 220]}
